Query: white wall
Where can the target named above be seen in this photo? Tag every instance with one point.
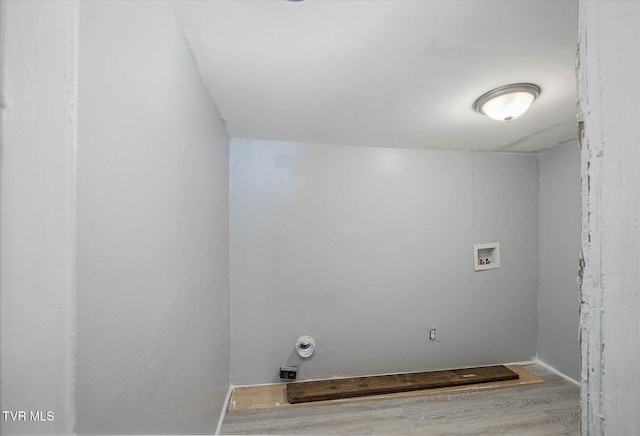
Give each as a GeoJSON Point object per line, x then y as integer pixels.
{"type": "Point", "coordinates": [610, 312]}
{"type": "Point", "coordinates": [36, 221]}
{"type": "Point", "coordinates": [152, 229]}
{"type": "Point", "coordinates": [367, 248]}
{"type": "Point", "coordinates": [559, 251]}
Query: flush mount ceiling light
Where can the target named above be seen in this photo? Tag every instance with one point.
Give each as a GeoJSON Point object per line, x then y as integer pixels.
{"type": "Point", "coordinates": [507, 102]}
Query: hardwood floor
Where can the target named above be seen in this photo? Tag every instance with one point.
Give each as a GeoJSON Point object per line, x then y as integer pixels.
{"type": "Point", "coordinates": [550, 408]}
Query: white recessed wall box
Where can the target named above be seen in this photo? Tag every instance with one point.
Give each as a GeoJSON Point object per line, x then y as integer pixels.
{"type": "Point", "coordinates": [486, 256]}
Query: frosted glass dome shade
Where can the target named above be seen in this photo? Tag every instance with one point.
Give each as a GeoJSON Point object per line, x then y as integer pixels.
{"type": "Point", "coordinates": [507, 102]}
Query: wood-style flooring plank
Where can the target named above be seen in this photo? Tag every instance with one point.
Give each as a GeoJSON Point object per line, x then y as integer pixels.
{"type": "Point", "coordinates": [334, 389]}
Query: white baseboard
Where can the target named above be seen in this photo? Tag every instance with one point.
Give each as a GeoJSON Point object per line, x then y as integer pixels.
{"type": "Point", "coordinates": [555, 371]}
{"type": "Point", "coordinates": [225, 406]}
{"type": "Point", "coordinates": [520, 363]}
{"type": "Point", "coordinates": [523, 363]}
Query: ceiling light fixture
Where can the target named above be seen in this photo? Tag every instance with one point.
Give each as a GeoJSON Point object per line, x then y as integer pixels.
{"type": "Point", "coordinates": [507, 102]}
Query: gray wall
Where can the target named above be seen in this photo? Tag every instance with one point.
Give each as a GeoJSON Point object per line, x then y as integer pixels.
{"type": "Point", "coordinates": [152, 229]}
{"type": "Point", "coordinates": [36, 220]}
{"type": "Point", "coordinates": [559, 251]}
{"type": "Point", "coordinates": [367, 248]}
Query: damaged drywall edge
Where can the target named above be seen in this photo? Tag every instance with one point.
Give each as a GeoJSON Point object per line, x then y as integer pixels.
{"type": "Point", "coordinates": [584, 188]}
{"type": "Point", "coordinates": [591, 290]}
{"type": "Point", "coordinates": [610, 301]}
{"type": "Point", "coordinates": [70, 174]}
{"type": "Point", "coordinates": [192, 42]}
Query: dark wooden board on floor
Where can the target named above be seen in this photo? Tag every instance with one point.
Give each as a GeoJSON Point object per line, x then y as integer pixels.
{"type": "Point", "coordinates": [333, 389]}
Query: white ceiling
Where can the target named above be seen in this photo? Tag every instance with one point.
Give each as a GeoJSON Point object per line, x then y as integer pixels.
{"type": "Point", "coordinates": [386, 73]}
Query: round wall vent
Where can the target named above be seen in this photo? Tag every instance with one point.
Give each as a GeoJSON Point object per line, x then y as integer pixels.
{"type": "Point", "coordinates": [305, 346]}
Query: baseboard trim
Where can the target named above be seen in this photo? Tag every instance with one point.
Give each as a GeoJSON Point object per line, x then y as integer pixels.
{"type": "Point", "coordinates": [225, 407]}
{"type": "Point", "coordinates": [557, 372]}
{"type": "Point", "coordinates": [522, 363]}
{"type": "Point", "coordinates": [527, 362]}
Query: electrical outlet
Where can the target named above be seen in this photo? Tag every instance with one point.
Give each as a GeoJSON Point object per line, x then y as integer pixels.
{"type": "Point", "coordinates": [432, 334]}
{"type": "Point", "coordinates": [288, 372]}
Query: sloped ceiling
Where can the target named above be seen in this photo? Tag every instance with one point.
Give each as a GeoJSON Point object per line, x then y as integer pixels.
{"type": "Point", "coordinates": [386, 73]}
